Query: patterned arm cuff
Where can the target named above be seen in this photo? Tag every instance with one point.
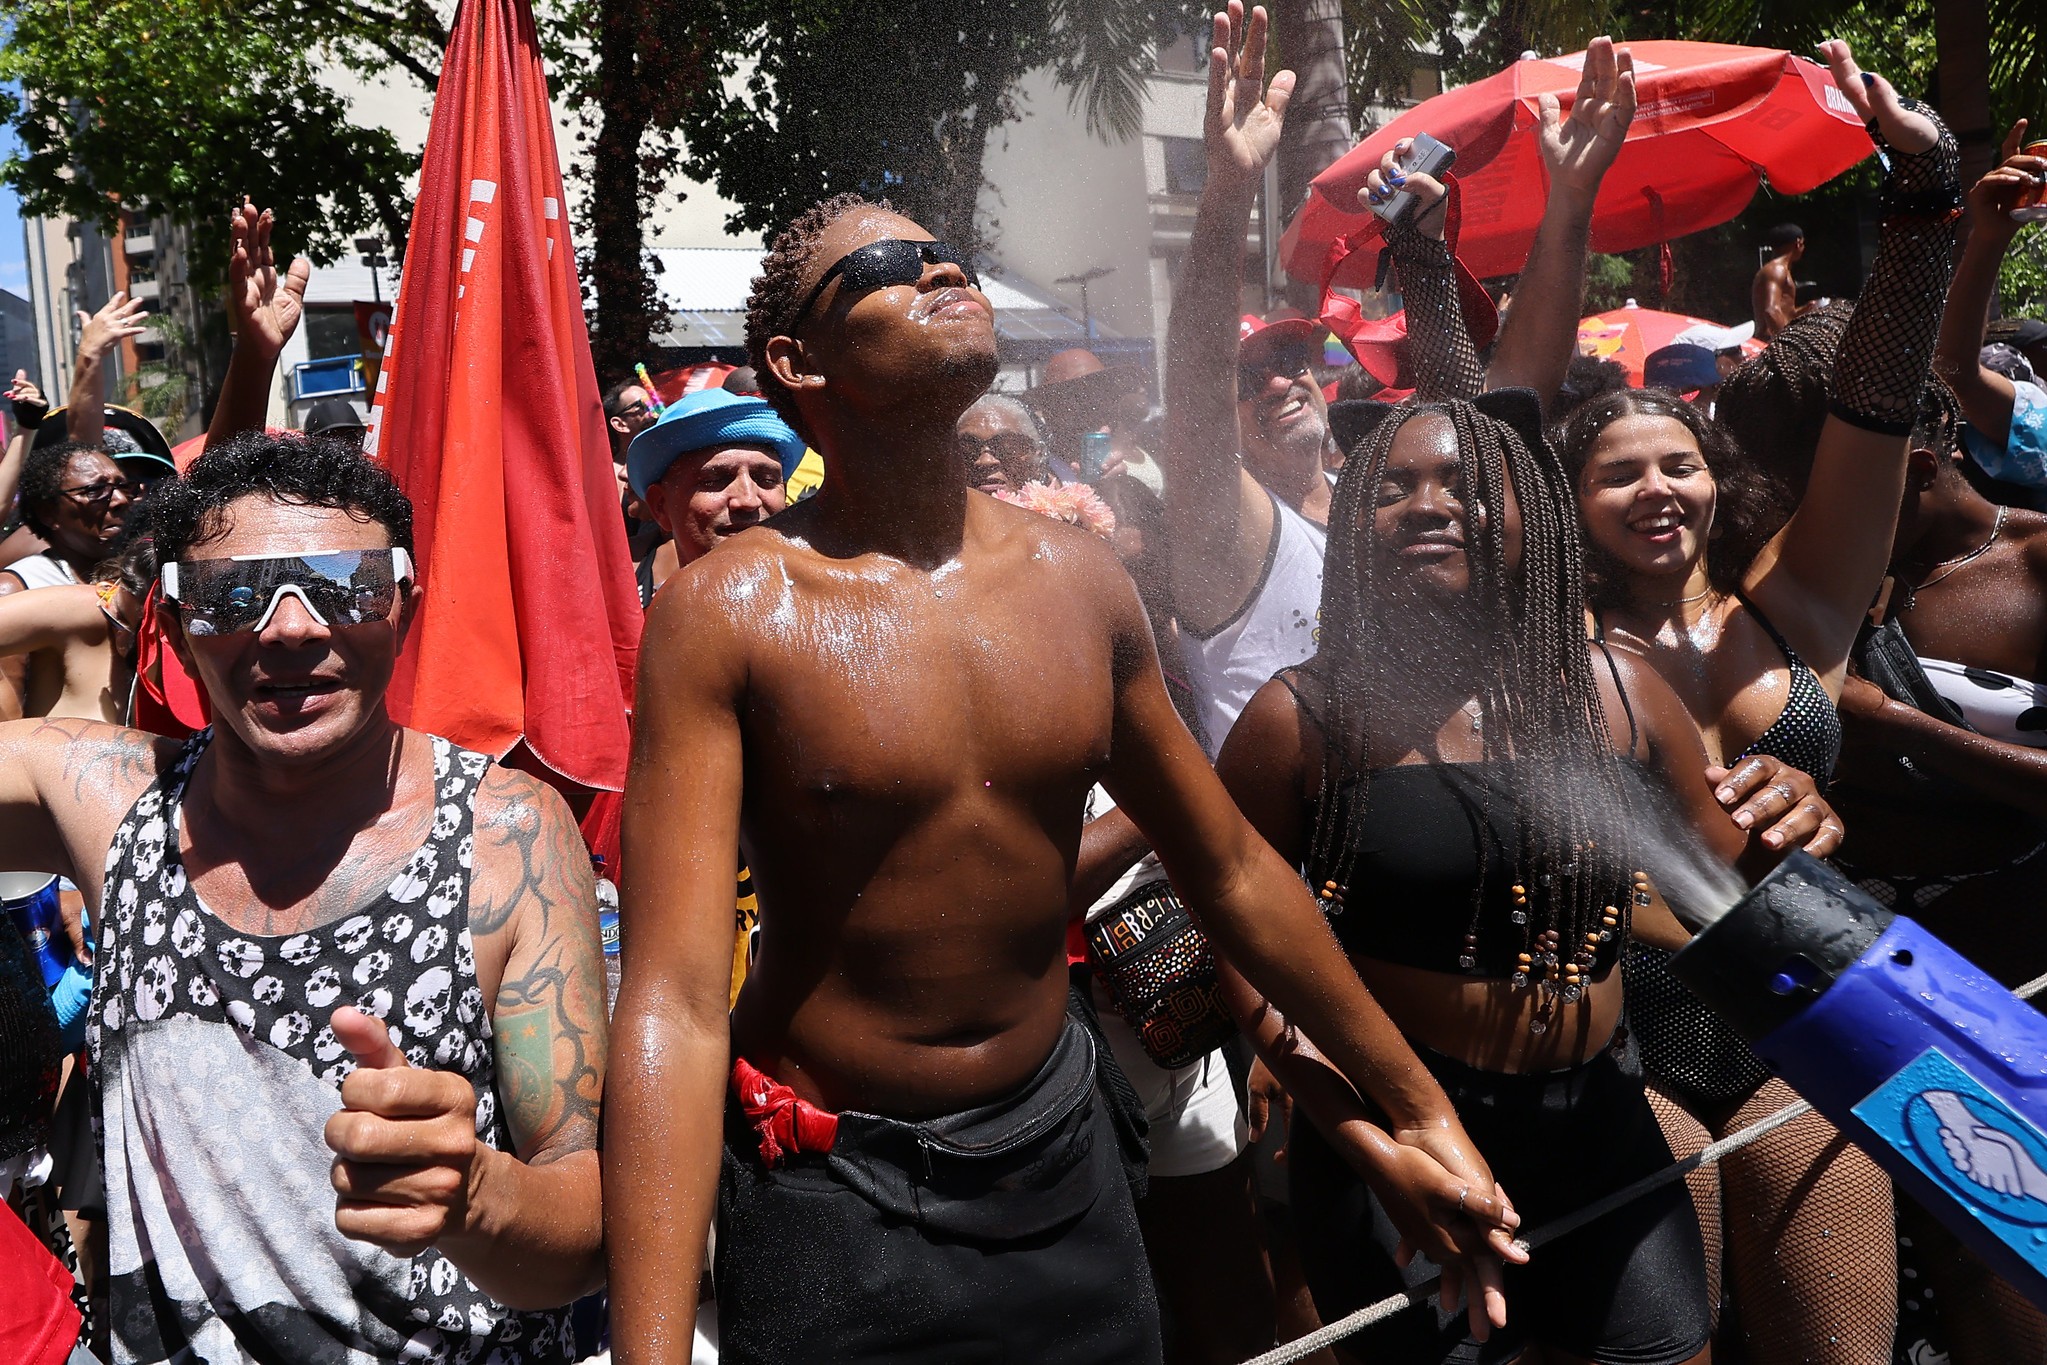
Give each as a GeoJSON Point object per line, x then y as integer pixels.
{"type": "Point", "coordinates": [1441, 357]}
{"type": "Point", "coordinates": [1887, 351]}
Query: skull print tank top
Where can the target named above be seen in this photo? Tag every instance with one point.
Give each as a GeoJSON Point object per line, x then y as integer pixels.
{"type": "Point", "coordinates": [217, 1073]}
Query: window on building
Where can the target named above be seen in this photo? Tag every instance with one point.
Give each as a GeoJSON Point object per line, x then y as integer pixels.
{"type": "Point", "coordinates": [1186, 165]}
{"type": "Point", "coordinates": [330, 331]}
{"type": "Point", "coordinates": [1426, 83]}
{"type": "Point", "coordinates": [1186, 56]}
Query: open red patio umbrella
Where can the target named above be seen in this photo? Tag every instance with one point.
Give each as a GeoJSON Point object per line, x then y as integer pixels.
{"type": "Point", "coordinates": [1712, 122]}
{"type": "Point", "coordinates": [1628, 335]}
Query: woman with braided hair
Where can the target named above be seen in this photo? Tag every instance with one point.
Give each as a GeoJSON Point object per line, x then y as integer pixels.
{"type": "Point", "coordinates": [1445, 770]}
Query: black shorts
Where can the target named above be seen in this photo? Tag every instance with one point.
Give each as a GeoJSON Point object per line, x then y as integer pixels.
{"type": "Point", "coordinates": [1006, 1234]}
{"type": "Point", "coordinates": [1627, 1289]}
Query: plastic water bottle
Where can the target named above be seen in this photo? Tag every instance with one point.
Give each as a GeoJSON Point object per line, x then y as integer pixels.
{"type": "Point", "coordinates": [607, 929]}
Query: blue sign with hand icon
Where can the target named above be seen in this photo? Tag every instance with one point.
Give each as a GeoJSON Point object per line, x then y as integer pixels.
{"type": "Point", "coordinates": [1955, 1129]}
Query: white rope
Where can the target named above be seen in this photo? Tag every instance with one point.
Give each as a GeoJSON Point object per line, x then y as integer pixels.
{"type": "Point", "coordinates": [1570, 1222]}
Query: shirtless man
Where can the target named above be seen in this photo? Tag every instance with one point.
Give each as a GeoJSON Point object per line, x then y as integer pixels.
{"type": "Point", "coordinates": [79, 639]}
{"type": "Point", "coordinates": [913, 1162]}
{"type": "Point", "coordinates": [368, 955]}
{"type": "Point", "coordinates": [1773, 296]}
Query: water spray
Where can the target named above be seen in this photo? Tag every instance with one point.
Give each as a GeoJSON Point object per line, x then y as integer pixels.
{"type": "Point", "coordinates": [1929, 1065]}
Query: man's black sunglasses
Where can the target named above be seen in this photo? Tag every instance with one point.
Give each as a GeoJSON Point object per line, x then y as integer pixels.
{"type": "Point", "coordinates": [881, 264]}
{"type": "Point", "coordinates": [1288, 359]}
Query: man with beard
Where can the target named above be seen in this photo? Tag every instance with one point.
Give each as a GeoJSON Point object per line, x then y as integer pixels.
{"type": "Point", "coordinates": [906, 1141]}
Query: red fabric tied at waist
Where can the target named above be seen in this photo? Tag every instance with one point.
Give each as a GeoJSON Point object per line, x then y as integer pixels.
{"type": "Point", "coordinates": [786, 1123]}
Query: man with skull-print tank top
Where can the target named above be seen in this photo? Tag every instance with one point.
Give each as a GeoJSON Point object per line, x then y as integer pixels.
{"type": "Point", "coordinates": [348, 1023]}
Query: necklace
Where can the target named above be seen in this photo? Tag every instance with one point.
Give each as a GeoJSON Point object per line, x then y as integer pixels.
{"type": "Point", "coordinates": [1948, 566]}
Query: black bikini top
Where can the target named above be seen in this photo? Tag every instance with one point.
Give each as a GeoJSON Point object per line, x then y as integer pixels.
{"type": "Point", "coordinates": [1427, 831]}
{"type": "Point", "coordinates": [1807, 732]}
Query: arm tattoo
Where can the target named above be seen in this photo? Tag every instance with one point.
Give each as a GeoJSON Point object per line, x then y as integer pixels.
{"type": "Point", "coordinates": [100, 758]}
{"type": "Point", "coordinates": [548, 1019]}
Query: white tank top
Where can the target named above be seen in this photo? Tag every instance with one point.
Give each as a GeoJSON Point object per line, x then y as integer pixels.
{"type": "Point", "coordinates": [41, 571]}
{"type": "Point", "coordinates": [1276, 628]}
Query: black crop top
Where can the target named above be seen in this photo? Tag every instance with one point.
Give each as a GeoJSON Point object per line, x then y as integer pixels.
{"type": "Point", "coordinates": [1409, 898]}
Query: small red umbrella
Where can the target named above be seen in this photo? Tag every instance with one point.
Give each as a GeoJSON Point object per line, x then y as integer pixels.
{"type": "Point", "coordinates": [1628, 335]}
{"type": "Point", "coordinates": [1712, 121]}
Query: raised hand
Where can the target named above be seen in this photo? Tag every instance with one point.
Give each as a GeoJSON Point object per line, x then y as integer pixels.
{"type": "Point", "coordinates": [30, 407]}
{"type": "Point", "coordinates": [1241, 127]}
{"type": "Point", "coordinates": [405, 1150]}
{"type": "Point", "coordinates": [1992, 198]}
{"type": "Point", "coordinates": [266, 307]}
{"type": "Point", "coordinates": [1432, 200]}
{"type": "Point", "coordinates": [1577, 150]}
{"type": "Point", "coordinates": [116, 321]}
{"type": "Point", "coordinates": [1876, 101]}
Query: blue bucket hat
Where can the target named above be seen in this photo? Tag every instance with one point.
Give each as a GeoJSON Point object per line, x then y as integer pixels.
{"type": "Point", "coordinates": [712, 418]}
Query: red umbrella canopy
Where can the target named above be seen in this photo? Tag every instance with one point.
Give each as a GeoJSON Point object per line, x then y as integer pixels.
{"type": "Point", "coordinates": [1629, 335]}
{"type": "Point", "coordinates": [1712, 121]}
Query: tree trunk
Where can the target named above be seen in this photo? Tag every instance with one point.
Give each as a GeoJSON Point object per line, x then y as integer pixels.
{"type": "Point", "coordinates": [1961, 36]}
{"type": "Point", "coordinates": [626, 296]}
{"type": "Point", "coordinates": [1309, 36]}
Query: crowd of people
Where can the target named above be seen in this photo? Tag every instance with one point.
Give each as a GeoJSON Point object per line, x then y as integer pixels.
{"type": "Point", "coordinates": [1192, 871]}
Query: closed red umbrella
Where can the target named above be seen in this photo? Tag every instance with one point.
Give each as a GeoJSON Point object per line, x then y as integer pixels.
{"type": "Point", "coordinates": [1628, 335]}
{"type": "Point", "coordinates": [1712, 121]}
{"type": "Point", "coordinates": [487, 414]}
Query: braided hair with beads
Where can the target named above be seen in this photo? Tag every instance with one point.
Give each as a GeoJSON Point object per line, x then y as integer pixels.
{"type": "Point", "coordinates": [1538, 698]}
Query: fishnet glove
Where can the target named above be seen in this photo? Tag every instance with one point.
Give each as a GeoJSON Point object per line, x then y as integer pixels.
{"type": "Point", "coordinates": [1440, 355]}
{"type": "Point", "coordinates": [1887, 351]}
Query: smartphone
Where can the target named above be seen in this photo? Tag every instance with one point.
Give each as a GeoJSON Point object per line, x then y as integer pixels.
{"type": "Point", "coordinates": [1425, 156]}
{"type": "Point", "coordinates": [1094, 455]}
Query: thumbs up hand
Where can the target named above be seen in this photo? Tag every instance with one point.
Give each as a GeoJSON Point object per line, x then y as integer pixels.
{"type": "Point", "coordinates": [406, 1158]}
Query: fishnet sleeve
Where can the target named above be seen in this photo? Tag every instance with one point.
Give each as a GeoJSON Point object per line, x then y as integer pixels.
{"type": "Point", "coordinates": [1441, 357]}
{"type": "Point", "coordinates": [1887, 351]}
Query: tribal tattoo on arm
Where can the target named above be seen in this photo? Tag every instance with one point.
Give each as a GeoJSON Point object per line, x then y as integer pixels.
{"type": "Point", "coordinates": [533, 884]}
{"type": "Point", "coordinates": [64, 787]}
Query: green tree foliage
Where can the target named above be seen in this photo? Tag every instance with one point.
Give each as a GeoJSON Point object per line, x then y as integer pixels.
{"type": "Point", "coordinates": [2022, 279]}
{"type": "Point", "coordinates": [183, 106]}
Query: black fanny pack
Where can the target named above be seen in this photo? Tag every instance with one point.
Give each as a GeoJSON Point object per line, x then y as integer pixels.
{"type": "Point", "coordinates": [1161, 974]}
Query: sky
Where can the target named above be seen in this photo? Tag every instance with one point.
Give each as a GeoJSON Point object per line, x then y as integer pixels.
{"type": "Point", "coordinates": [13, 250]}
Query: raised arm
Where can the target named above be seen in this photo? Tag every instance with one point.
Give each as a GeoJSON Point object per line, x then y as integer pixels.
{"type": "Point", "coordinates": [1817, 577]}
{"type": "Point", "coordinates": [1540, 334]}
{"type": "Point", "coordinates": [1218, 520]}
{"type": "Point", "coordinates": [85, 410]}
{"type": "Point", "coordinates": [1985, 395]}
{"type": "Point", "coordinates": [30, 407]}
{"type": "Point", "coordinates": [264, 309]}
{"type": "Point", "coordinates": [667, 1101]}
{"type": "Point", "coordinates": [1441, 357]}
